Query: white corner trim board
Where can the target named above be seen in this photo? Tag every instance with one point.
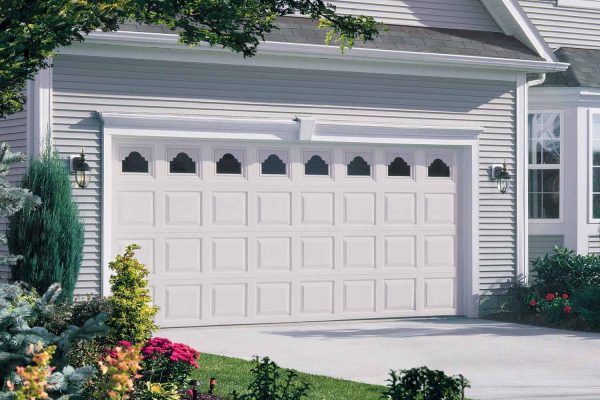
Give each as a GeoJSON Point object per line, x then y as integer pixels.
{"type": "Point", "coordinates": [298, 129]}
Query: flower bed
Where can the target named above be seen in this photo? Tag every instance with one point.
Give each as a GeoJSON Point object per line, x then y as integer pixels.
{"type": "Point", "coordinates": [564, 294]}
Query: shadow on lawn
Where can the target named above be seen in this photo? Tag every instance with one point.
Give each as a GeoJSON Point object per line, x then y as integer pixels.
{"type": "Point", "coordinates": [429, 328]}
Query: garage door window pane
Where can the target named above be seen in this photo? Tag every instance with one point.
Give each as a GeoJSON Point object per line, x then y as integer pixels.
{"type": "Point", "coordinates": [316, 166]}
{"type": "Point", "coordinates": [134, 162]}
{"type": "Point", "coordinates": [398, 167]}
{"type": "Point", "coordinates": [273, 165]}
{"type": "Point", "coordinates": [182, 164]}
{"type": "Point", "coordinates": [359, 167]}
{"type": "Point", "coordinates": [438, 169]}
{"type": "Point", "coordinates": [228, 164]}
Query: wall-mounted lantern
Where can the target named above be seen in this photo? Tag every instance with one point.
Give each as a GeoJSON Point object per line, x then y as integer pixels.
{"type": "Point", "coordinates": [501, 176]}
{"type": "Point", "coordinates": [81, 169]}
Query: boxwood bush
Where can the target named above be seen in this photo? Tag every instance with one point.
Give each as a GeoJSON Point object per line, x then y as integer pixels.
{"type": "Point", "coordinates": [565, 271]}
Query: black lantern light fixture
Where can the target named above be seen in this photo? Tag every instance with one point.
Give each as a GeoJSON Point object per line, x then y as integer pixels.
{"type": "Point", "coordinates": [81, 169]}
{"type": "Point", "coordinates": [501, 176]}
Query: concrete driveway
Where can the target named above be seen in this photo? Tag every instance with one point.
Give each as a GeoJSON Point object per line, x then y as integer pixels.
{"type": "Point", "coordinates": [502, 360]}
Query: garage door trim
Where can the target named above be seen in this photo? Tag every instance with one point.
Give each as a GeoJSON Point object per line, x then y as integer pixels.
{"type": "Point", "coordinates": [464, 137]}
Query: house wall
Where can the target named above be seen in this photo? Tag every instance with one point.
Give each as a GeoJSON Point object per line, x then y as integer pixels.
{"type": "Point", "coordinates": [540, 245]}
{"type": "Point", "coordinates": [564, 26]}
{"type": "Point", "coordinates": [454, 14]}
{"type": "Point", "coordinates": [83, 85]}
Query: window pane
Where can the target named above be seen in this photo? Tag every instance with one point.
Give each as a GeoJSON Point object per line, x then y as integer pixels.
{"type": "Point", "coordinates": [595, 152]}
{"type": "Point", "coordinates": [532, 144]}
{"type": "Point", "coordinates": [596, 206]}
{"type": "Point", "coordinates": [596, 126]}
{"type": "Point", "coordinates": [358, 167]}
{"type": "Point", "coordinates": [550, 205]}
{"type": "Point", "coordinates": [182, 164]}
{"type": "Point", "coordinates": [316, 166]}
{"type": "Point", "coordinates": [273, 165]}
{"type": "Point", "coordinates": [535, 122]}
{"type": "Point", "coordinates": [134, 162]}
{"type": "Point", "coordinates": [596, 179]}
{"type": "Point", "coordinates": [398, 167]}
{"type": "Point", "coordinates": [228, 164]}
{"type": "Point", "coordinates": [551, 180]}
{"type": "Point", "coordinates": [535, 180]}
{"type": "Point", "coordinates": [550, 128]}
{"type": "Point", "coordinates": [551, 151]}
{"type": "Point", "coordinates": [535, 205]}
{"type": "Point", "coordinates": [438, 169]}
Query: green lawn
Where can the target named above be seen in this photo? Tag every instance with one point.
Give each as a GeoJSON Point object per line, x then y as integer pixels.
{"type": "Point", "coordinates": [234, 373]}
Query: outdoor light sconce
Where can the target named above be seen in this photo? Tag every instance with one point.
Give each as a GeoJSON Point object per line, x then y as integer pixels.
{"type": "Point", "coordinates": [81, 169]}
{"type": "Point", "coordinates": [501, 176]}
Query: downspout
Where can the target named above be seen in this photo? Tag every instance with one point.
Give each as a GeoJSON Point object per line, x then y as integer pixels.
{"type": "Point", "coordinates": [524, 229]}
{"type": "Point", "coordinates": [536, 82]}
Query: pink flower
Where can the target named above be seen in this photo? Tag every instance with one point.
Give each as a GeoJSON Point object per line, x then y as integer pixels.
{"type": "Point", "coordinates": [550, 296]}
{"type": "Point", "coordinates": [565, 296]}
{"type": "Point", "coordinates": [532, 303]}
{"type": "Point", "coordinates": [567, 309]}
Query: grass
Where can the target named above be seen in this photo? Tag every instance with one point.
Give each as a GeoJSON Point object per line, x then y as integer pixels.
{"type": "Point", "coordinates": [234, 374]}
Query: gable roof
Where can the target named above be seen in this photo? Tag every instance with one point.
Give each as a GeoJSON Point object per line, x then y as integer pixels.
{"type": "Point", "coordinates": [396, 38]}
{"type": "Point", "coordinates": [513, 21]}
{"type": "Point", "coordinates": [583, 72]}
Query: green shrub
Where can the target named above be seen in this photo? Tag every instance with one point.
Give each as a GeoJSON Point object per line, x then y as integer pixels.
{"type": "Point", "coordinates": [132, 317]}
{"type": "Point", "coordinates": [553, 307]}
{"type": "Point", "coordinates": [19, 309]}
{"type": "Point", "coordinates": [586, 302]}
{"type": "Point", "coordinates": [84, 352]}
{"type": "Point", "coordinates": [565, 271]}
{"type": "Point", "coordinates": [517, 298]}
{"type": "Point", "coordinates": [269, 383]}
{"type": "Point", "coordinates": [49, 238]}
{"type": "Point", "coordinates": [424, 384]}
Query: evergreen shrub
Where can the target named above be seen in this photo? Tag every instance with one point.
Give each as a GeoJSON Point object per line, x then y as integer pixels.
{"type": "Point", "coordinates": [132, 316]}
{"type": "Point", "coordinates": [48, 238]}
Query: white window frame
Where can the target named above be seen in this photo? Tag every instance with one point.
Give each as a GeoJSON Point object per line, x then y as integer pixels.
{"type": "Point", "coordinates": [560, 166]}
{"type": "Point", "coordinates": [590, 167]}
{"type": "Point", "coordinates": [589, 4]}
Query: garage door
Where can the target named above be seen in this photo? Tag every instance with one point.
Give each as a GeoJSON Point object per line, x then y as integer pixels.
{"type": "Point", "coordinates": [236, 232]}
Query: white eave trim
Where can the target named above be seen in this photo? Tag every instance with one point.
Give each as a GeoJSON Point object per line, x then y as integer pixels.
{"type": "Point", "coordinates": [300, 129]}
{"type": "Point", "coordinates": [519, 25]}
{"type": "Point", "coordinates": [164, 40]}
{"type": "Point", "coordinates": [564, 96]}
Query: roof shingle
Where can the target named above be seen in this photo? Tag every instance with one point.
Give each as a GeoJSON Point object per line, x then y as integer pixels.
{"type": "Point", "coordinates": [583, 72]}
{"type": "Point", "coordinates": [396, 37]}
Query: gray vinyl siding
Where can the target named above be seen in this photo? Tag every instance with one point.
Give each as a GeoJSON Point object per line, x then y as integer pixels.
{"type": "Point", "coordinates": [454, 14]}
{"type": "Point", "coordinates": [562, 26]}
{"type": "Point", "coordinates": [540, 245]}
{"type": "Point", "coordinates": [83, 85]}
{"type": "Point", "coordinates": [13, 130]}
{"type": "Point", "coordinates": [594, 244]}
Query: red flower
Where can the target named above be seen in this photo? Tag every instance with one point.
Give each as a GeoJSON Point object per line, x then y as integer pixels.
{"type": "Point", "coordinates": [565, 296]}
{"type": "Point", "coordinates": [550, 296]}
{"type": "Point", "coordinates": [124, 343]}
{"type": "Point", "coordinates": [567, 309]}
{"type": "Point", "coordinates": [532, 303]}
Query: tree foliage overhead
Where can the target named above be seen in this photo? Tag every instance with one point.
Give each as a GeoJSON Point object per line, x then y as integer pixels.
{"type": "Point", "coordinates": [32, 30]}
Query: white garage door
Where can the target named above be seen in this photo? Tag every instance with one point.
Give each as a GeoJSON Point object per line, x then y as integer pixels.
{"type": "Point", "coordinates": [248, 233]}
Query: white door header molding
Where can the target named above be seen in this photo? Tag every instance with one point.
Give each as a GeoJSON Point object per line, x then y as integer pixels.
{"type": "Point", "coordinates": [304, 129]}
